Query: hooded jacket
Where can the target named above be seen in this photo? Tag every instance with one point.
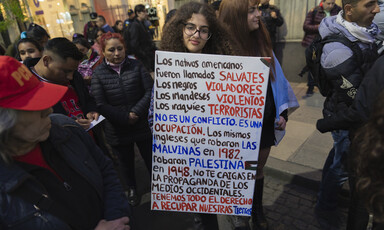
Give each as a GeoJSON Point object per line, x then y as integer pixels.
{"type": "Point", "coordinates": [342, 69]}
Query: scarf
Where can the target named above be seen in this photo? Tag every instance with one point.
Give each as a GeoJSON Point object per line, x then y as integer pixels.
{"type": "Point", "coordinates": [364, 34]}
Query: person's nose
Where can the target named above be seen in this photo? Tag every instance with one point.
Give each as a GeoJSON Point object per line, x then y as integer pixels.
{"type": "Point", "coordinates": [257, 12]}
{"type": "Point", "coordinates": [377, 9]}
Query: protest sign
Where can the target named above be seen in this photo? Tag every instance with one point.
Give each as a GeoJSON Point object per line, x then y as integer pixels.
{"type": "Point", "coordinates": [208, 113]}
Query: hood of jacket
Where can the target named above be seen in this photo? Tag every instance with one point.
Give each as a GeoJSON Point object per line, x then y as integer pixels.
{"type": "Point", "coordinates": [329, 26]}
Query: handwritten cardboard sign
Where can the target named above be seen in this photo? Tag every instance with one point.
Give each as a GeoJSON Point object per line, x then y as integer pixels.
{"type": "Point", "coordinates": [208, 113]}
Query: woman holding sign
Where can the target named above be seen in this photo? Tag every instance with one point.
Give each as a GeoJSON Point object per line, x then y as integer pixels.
{"type": "Point", "coordinates": [122, 90]}
{"type": "Point", "coordinates": [195, 29]}
{"type": "Point", "coordinates": [253, 39]}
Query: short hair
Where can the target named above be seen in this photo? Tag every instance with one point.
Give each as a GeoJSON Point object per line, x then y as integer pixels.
{"type": "Point", "coordinates": [107, 36]}
{"type": "Point", "coordinates": [352, 2]}
{"type": "Point", "coordinates": [36, 32]}
{"type": "Point", "coordinates": [139, 8]}
{"type": "Point", "coordinates": [77, 35]}
{"type": "Point", "coordinates": [8, 118]}
{"type": "Point", "coordinates": [82, 41]}
{"type": "Point", "coordinates": [63, 48]}
{"type": "Point", "coordinates": [102, 18]}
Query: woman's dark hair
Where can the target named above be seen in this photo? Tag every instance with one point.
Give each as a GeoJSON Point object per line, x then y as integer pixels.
{"type": "Point", "coordinates": [27, 40]}
{"type": "Point", "coordinates": [64, 49]}
{"type": "Point", "coordinates": [220, 42]}
{"type": "Point", "coordinates": [368, 160]}
{"type": "Point", "coordinates": [37, 32]}
{"type": "Point", "coordinates": [251, 43]}
{"type": "Point", "coordinates": [117, 22]}
{"type": "Point", "coordinates": [115, 26]}
{"type": "Point", "coordinates": [82, 41]}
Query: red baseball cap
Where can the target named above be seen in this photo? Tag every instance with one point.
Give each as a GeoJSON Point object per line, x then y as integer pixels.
{"type": "Point", "coordinates": [21, 90]}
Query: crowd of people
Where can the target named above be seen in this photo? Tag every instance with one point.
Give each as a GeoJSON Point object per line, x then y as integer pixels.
{"type": "Point", "coordinates": [57, 173]}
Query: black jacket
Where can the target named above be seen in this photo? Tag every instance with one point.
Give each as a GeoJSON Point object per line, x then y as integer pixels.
{"type": "Point", "coordinates": [117, 95]}
{"type": "Point", "coordinates": [271, 23]}
{"type": "Point", "coordinates": [354, 116]}
{"type": "Point", "coordinates": [80, 153]}
{"type": "Point", "coordinates": [86, 102]}
{"type": "Point", "coordinates": [139, 42]}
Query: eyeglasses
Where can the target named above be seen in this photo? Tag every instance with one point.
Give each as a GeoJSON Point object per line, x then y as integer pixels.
{"type": "Point", "coordinates": [190, 29]}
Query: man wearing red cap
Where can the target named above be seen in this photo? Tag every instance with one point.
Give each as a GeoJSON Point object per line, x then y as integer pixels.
{"type": "Point", "coordinates": [52, 175]}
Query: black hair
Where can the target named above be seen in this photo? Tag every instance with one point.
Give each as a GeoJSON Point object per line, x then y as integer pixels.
{"type": "Point", "coordinates": [36, 32]}
{"type": "Point", "coordinates": [102, 18]}
{"type": "Point", "coordinates": [170, 14]}
{"type": "Point", "coordinates": [77, 35]}
{"type": "Point", "coordinates": [352, 2]}
{"type": "Point", "coordinates": [216, 5]}
{"type": "Point", "coordinates": [139, 8]}
{"type": "Point", "coordinates": [82, 41]}
{"type": "Point", "coordinates": [63, 48]}
{"type": "Point", "coordinates": [29, 40]}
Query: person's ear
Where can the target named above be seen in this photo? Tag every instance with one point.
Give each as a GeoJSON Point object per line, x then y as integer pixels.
{"type": "Point", "coordinates": [348, 10]}
{"type": "Point", "coordinates": [46, 60]}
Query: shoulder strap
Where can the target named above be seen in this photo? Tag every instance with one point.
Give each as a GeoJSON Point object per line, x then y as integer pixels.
{"type": "Point", "coordinates": [41, 201]}
{"type": "Point", "coordinates": [354, 46]}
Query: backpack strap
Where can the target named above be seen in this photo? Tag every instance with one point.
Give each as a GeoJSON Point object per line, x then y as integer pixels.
{"type": "Point", "coordinates": [354, 46]}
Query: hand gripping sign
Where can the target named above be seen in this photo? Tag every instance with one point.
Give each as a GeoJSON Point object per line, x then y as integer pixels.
{"type": "Point", "coordinates": [208, 113]}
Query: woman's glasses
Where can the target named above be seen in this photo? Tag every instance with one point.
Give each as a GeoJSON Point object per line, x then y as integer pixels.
{"type": "Point", "coordinates": [190, 29]}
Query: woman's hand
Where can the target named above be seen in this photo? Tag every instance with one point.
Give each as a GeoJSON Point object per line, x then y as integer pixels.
{"type": "Point", "coordinates": [281, 124]}
{"type": "Point", "coordinates": [118, 224]}
{"type": "Point", "coordinates": [133, 118]}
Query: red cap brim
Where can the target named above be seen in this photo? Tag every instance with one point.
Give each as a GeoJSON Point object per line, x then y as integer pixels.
{"type": "Point", "coordinates": [43, 96]}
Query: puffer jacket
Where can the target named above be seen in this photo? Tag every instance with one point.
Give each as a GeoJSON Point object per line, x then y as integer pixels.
{"type": "Point", "coordinates": [117, 95]}
{"type": "Point", "coordinates": [343, 69]}
{"type": "Point", "coordinates": [354, 117]}
{"type": "Point", "coordinates": [312, 22]}
{"type": "Point", "coordinates": [79, 151]}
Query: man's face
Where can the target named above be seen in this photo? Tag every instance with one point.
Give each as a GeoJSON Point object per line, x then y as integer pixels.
{"type": "Point", "coordinates": [142, 15]}
{"type": "Point", "coordinates": [99, 22]}
{"type": "Point", "coordinates": [363, 12]}
{"type": "Point", "coordinates": [328, 5]}
{"type": "Point", "coordinates": [58, 70]}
